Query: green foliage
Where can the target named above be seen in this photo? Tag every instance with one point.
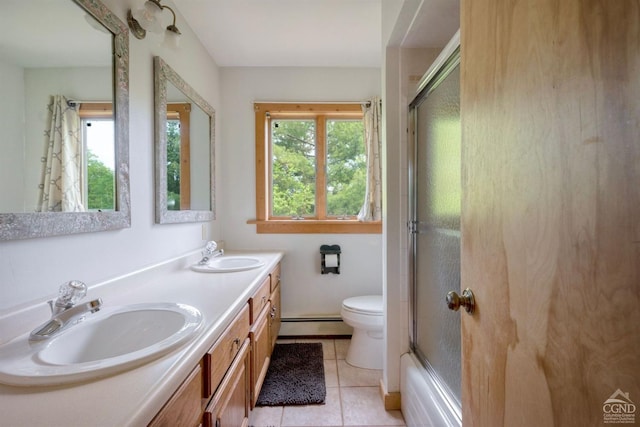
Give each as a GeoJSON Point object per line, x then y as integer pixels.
{"type": "Point", "coordinates": [173, 165]}
{"type": "Point", "coordinates": [346, 167]}
{"type": "Point", "coordinates": [294, 164]}
{"type": "Point", "coordinates": [100, 183]}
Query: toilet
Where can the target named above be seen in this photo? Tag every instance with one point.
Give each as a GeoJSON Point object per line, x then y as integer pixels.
{"type": "Point", "coordinates": [364, 315]}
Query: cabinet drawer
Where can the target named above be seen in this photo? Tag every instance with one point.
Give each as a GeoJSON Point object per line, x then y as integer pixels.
{"type": "Point", "coordinates": [219, 358]}
{"type": "Point", "coordinates": [230, 405]}
{"type": "Point", "coordinates": [275, 277]}
{"type": "Point", "coordinates": [260, 299]}
{"type": "Point", "coordinates": [185, 406]}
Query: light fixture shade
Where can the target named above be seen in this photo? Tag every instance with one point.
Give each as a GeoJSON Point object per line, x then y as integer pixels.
{"type": "Point", "coordinates": [172, 39]}
{"type": "Point", "coordinates": [149, 16]}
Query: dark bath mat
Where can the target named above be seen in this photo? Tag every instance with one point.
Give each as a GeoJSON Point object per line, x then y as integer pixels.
{"type": "Point", "coordinates": [295, 376]}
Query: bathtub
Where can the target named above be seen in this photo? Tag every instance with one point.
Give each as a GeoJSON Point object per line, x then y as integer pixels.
{"type": "Point", "coordinates": [423, 402]}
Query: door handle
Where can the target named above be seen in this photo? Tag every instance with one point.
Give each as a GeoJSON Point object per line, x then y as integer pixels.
{"type": "Point", "coordinates": [466, 300]}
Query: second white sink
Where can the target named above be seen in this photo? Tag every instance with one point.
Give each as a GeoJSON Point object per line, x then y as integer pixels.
{"type": "Point", "coordinates": [226, 264]}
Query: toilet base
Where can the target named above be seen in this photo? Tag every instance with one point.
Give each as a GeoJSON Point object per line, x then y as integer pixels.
{"type": "Point", "coordinates": [365, 349]}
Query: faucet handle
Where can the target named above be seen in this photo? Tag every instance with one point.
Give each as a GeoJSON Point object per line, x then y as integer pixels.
{"type": "Point", "coordinates": [210, 248]}
{"type": "Point", "coordinates": [71, 292]}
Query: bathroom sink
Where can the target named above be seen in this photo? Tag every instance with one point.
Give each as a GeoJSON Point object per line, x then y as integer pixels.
{"type": "Point", "coordinates": [226, 264]}
{"type": "Point", "coordinates": [110, 341]}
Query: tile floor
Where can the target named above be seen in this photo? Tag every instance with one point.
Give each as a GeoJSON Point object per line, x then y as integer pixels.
{"type": "Point", "coordinates": [353, 397]}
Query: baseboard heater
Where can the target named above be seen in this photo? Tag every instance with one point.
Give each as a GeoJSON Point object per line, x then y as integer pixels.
{"type": "Point", "coordinates": [311, 319]}
{"type": "Point", "coordinates": [314, 326]}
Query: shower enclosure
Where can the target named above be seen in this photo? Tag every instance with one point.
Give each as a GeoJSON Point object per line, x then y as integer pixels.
{"type": "Point", "coordinates": [435, 194]}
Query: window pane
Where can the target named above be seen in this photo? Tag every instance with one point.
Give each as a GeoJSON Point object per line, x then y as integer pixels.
{"type": "Point", "coordinates": [100, 158]}
{"type": "Point", "coordinates": [346, 167]}
{"type": "Point", "coordinates": [173, 164]}
{"type": "Point", "coordinates": [293, 179]}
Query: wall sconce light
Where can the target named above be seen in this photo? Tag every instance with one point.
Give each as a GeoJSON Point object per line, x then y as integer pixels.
{"type": "Point", "coordinates": [148, 18]}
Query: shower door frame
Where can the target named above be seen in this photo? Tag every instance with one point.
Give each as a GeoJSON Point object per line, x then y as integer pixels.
{"type": "Point", "coordinates": [448, 59]}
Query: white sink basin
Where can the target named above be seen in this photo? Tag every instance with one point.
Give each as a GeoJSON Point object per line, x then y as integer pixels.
{"type": "Point", "coordinates": [226, 264]}
{"type": "Point", "coordinates": [109, 341]}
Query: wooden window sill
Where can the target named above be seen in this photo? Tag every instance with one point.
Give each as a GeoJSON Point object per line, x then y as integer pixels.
{"type": "Point", "coordinates": [310, 226]}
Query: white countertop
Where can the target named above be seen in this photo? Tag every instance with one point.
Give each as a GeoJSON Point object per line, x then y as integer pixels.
{"type": "Point", "coordinates": [134, 397]}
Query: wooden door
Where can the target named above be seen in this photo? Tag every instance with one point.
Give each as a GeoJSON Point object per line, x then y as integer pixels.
{"type": "Point", "coordinates": [550, 107]}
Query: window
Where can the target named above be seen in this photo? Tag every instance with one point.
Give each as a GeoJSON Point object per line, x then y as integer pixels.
{"type": "Point", "coordinates": [99, 185]}
{"type": "Point", "coordinates": [178, 156]}
{"type": "Point", "coordinates": [310, 169]}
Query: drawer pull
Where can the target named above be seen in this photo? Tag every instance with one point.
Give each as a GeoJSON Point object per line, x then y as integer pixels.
{"type": "Point", "coordinates": [236, 342]}
{"type": "Point", "coordinates": [273, 312]}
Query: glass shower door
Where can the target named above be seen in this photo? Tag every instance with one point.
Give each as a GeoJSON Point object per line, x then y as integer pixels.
{"type": "Point", "coordinates": [435, 226]}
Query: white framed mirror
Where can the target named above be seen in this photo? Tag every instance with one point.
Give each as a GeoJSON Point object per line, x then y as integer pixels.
{"type": "Point", "coordinates": [65, 119]}
{"type": "Point", "coordinates": [184, 150]}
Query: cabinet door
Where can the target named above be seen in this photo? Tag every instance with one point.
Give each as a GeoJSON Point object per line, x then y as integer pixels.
{"type": "Point", "coordinates": [185, 406]}
{"type": "Point", "coordinates": [260, 353]}
{"type": "Point", "coordinates": [230, 405]}
{"type": "Point", "coordinates": [275, 317]}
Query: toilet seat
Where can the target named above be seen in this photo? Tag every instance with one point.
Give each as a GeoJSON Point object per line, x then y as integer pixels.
{"type": "Point", "coordinates": [370, 305]}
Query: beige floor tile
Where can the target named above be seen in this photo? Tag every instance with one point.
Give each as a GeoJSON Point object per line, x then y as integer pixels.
{"type": "Point", "coordinates": [329, 414]}
{"type": "Point", "coordinates": [342, 346]}
{"type": "Point", "coordinates": [328, 347]}
{"type": "Point", "coordinates": [331, 373]}
{"type": "Point", "coordinates": [350, 376]}
{"type": "Point", "coordinates": [266, 416]}
{"type": "Point", "coordinates": [363, 406]}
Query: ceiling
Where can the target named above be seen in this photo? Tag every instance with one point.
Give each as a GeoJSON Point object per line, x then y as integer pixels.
{"type": "Point", "coordinates": [60, 34]}
{"type": "Point", "coordinates": [331, 33]}
{"type": "Point", "coordinates": [307, 33]}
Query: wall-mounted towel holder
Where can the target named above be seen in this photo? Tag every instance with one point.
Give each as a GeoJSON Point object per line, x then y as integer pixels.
{"type": "Point", "coordinates": [330, 259]}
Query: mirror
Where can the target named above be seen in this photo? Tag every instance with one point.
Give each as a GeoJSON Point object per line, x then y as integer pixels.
{"type": "Point", "coordinates": [184, 150]}
{"type": "Point", "coordinates": [67, 57]}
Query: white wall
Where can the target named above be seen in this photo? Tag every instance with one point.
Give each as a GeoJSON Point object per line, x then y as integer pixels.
{"type": "Point", "coordinates": [12, 137]}
{"type": "Point", "coordinates": [31, 270]}
{"type": "Point", "coordinates": [402, 71]}
{"type": "Point", "coordinates": [304, 290]}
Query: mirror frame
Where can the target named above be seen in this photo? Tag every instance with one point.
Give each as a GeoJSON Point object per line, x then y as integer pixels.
{"type": "Point", "coordinates": [163, 73]}
{"type": "Point", "coordinates": [14, 226]}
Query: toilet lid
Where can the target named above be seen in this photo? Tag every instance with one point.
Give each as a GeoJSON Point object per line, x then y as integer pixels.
{"type": "Point", "coordinates": [371, 304]}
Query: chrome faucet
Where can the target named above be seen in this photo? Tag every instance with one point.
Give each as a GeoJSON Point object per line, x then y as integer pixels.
{"type": "Point", "coordinates": [64, 310]}
{"type": "Point", "coordinates": [210, 250]}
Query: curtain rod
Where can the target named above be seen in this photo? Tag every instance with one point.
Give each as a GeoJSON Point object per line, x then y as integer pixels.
{"type": "Point", "coordinates": [73, 102]}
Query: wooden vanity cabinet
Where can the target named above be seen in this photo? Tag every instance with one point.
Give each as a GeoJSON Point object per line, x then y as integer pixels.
{"type": "Point", "coordinates": [224, 386]}
{"type": "Point", "coordinates": [230, 404]}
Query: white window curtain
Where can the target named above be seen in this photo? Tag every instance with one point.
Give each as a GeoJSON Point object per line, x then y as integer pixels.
{"type": "Point", "coordinates": [61, 184]}
{"type": "Point", "coordinates": [372, 207]}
